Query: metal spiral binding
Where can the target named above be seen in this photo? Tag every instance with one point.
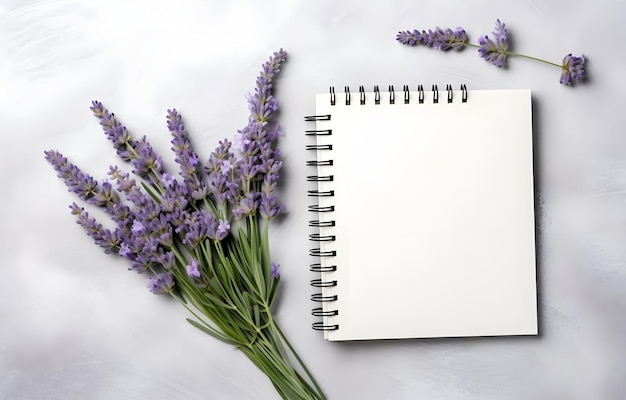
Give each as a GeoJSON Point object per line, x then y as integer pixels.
{"type": "Point", "coordinates": [318, 210]}
{"type": "Point", "coordinates": [392, 100]}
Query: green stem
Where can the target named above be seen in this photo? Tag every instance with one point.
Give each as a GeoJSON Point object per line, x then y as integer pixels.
{"type": "Point", "coordinates": [297, 357]}
{"type": "Point", "coordinates": [282, 374]}
{"type": "Point", "coordinates": [511, 53]}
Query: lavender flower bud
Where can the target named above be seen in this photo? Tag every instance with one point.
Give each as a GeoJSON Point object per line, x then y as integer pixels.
{"type": "Point", "coordinates": [192, 269]}
{"type": "Point", "coordinates": [147, 163]}
{"type": "Point", "coordinates": [76, 181]}
{"type": "Point", "coordinates": [247, 206]}
{"type": "Point", "coordinates": [106, 196]}
{"type": "Point", "coordinates": [167, 260]}
{"type": "Point", "coordinates": [167, 179]}
{"type": "Point", "coordinates": [275, 270]}
{"type": "Point", "coordinates": [495, 52]}
{"type": "Point", "coordinates": [262, 105]}
{"type": "Point", "coordinates": [222, 229]}
{"type": "Point", "coordinates": [440, 39]}
{"type": "Point", "coordinates": [573, 69]}
{"type": "Point", "coordinates": [138, 227]}
{"type": "Point", "coordinates": [185, 156]}
{"type": "Point", "coordinates": [147, 255]}
{"type": "Point", "coordinates": [101, 236]}
{"type": "Point", "coordinates": [409, 38]}
{"type": "Point", "coordinates": [198, 226]}
{"type": "Point", "coordinates": [126, 252]}
{"type": "Point", "coordinates": [268, 207]}
{"type": "Point", "coordinates": [161, 284]}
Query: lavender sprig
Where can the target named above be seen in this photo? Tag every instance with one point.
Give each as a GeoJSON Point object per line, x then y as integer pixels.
{"type": "Point", "coordinates": [494, 50]}
{"type": "Point", "coordinates": [186, 157]}
{"type": "Point", "coordinates": [199, 238]}
{"type": "Point", "coordinates": [147, 163]}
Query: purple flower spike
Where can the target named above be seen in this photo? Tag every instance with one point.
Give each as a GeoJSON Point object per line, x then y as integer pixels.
{"type": "Point", "coordinates": [167, 260]}
{"type": "Point", "coordinates": [268, 208]}
{"type": "Point", "coordinates": [447, 39]}
{"type": "Point", "coordinates": [192, 269]}
{"type": "Point", "coordinates": [185, 156]}
{"type": "Point", "coordinates": [262, 105]}
{"type": "Point", "coordinates": [101, 236]}
{"type": "Point", "coordinates": [147, 163]}
{"type": "Point", "coordinates": [76, 181]}
{"type": "Point", "coordinates": [409, 38]}
{"type": "Point", "coordinates": [440, 39]}
{"type": "Point", "coordinates": [125, 251]}
{"type": "Point", "coordinates": [137, 227]}
{"type": "Point", "coordinates": [275, 270]}
{"type": "Point", "coordinates": [222, 229]}
{"type": "Point", "coordinates": [161, 283]}
{"type": "Point", "coordinates": [573, 69]}
{"type": "Point", "coordinates": [495, 52]}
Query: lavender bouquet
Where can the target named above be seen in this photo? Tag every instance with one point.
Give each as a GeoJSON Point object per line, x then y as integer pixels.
{"type": "Point", "coordinates": [202, 238]}
{"type": "Point", "coordinates": [494, 51]}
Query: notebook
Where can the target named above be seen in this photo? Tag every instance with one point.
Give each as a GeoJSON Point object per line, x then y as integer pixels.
{"type": "Point", "coordinates": [422, 213]}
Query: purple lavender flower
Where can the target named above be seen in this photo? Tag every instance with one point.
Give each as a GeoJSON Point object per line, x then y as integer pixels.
{"type": "Point", "coordinates": [152, 223]}
{"type": "Point", "coordinates": [572, 69]}
{"type": "Point", "coordinates": [138, 227]}
{"type": "Point", "coordinates": [222, 229]}
{"type": "Point", "coordinates": [147, 163]}
{"type": "Point", "coordinates": [220, 168]}
{"type": "Point", "coordinates": [125, 251]}
{"type": "Point", "coordinates": [262, 105]}
{"type": "Point", "coordinates": [76, 181]}
{"type": "Point", "coordinates": [146, 248]}
{"type": "Point", "coordinates": [115, 132]}
{"type": "Point", "coordinates": [102, 237]}
{"type": "Point", "coordinates": [162, 229]}
{"type": "Point", "coordinates": [197, 227]}
{"type": "Point", "coordinates": [143, 203]}
{"type": "Point", "coordinates": [106, 196]}
{"type": "Point", "coordinates": [256, 148]}
{"type": "Point", "coordinates": [440, 39]}
{"type": "Point", "coordinates": [447, 39]}
{"type": "Point", "coordinates": [192, 269]}
{"type": "Point", "coordinates": [162, 283]}
{"type": "Point", "coordinates": [247, 206]}
{"type": "Point", "coordinates": [185, 156]}
{"type": "Point", "coordinates": [495, 52]}
{"type": "Point", "coordinates": [275, 270]}
{"type": "Point", "coordinates": [268, 207]}
{"type": "Point", "coordinates": [167, 179]}
{"type": "Point", "coordinates": [175, 197]}
{"type": "Point", "coordinates": [409, 38]}
{"type": "Point", "coordinates": [167, 260]}
{"type": "Point", "coordinates": [217, 231]}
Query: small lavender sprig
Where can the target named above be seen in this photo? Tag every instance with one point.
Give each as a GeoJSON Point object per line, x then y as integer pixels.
{"type": "Point", "coordinates": [494, 50]}
{"type": "Point", "coordinates": [147, 163]}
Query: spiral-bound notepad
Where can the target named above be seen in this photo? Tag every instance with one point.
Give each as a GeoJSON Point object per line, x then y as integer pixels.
{"type": "Point", "coordinates": [422, 213]}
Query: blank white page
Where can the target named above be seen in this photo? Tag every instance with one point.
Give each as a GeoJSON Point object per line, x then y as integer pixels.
{"type": "Point", "coordinates": [434, 211]}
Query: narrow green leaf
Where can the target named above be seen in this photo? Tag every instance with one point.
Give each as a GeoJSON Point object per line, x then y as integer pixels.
{"type": "Point", "coordinates": [211, 332]}
{"type": "Point", "coordinates": [151, 192]}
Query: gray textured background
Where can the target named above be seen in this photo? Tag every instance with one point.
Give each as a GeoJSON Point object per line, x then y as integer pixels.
{"type": "Point", "coordinates": [76, 324]}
